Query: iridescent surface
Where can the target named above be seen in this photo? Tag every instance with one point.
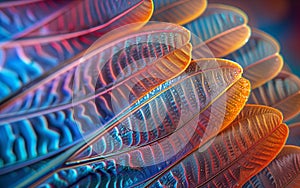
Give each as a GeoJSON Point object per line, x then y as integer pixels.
{"type": "Point", "coordinates": [94, 95]}
{"type": "Point", "coordinates": [282, 92]}
{"type": "Point", "coordinates": [25, 59]}
{"type": "Point", "coordinates": [282, 172]}
{"type": "Point", "coordinates": [223, 29]}
{"type": "Point", "coordinates": [51, 118]}
{"type": "Point", "coordinates": [260, 58]}
{"type": "Point", "coordinates": [180, 12]}
{"type": "Point", "coordinates": [146, 158]}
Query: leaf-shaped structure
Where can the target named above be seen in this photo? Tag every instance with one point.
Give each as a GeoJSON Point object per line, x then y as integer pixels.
{"type": "Point", "coordinates": [283, 93]}
{"type": "Point", "coordinates": [194, 94]}
{"type": "Point", "coordinates": [283, 171]}
{"type": "Point", "coordinates": [223, 29]}
{"type": "Point", "coordinates": [294, 136]}
{"type": "Point", "coordinates": [28, 58]}
{"type": "Point", "coordinates": [146, 160]}
{"type": "Point", "coordinates": [236, 154]}
{"type": "Point", "coordinates": [177, 11]}
{"type": "Point", "coordinates": [80, 96]}
{"type": "Point", "coordinates": [259, 58]}
{"type": "Point", "coordinates": [51, 17]}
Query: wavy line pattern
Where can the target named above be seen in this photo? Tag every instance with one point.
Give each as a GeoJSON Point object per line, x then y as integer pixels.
{"type": "Point", "coordinates": [43, 131]}
{"type": "Point", "coordinates": [26, 59]}
{"type": "Point", "coordinates": [43, 18]}
{"type": "Point", "coordinates": [235, 155]}
{"type": "Point", "coordinates": [133, 167]}
{"type": "Point", "coordinates": [283, 171]}
{"type": "Point", "coordinates": [179, 12]}
{"type": "Point", "coordinates": [19, 17]}
{"type": "Point", "coordinates": [282, 92]}
{"type": "Point", "coordinates": [259, 57]}
{"type": "Point", "coordinates": [222, 29]}
{"type": "Point", "coordinates": [191, 93]}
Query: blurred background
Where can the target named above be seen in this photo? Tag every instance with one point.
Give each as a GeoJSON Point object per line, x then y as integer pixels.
{"type": "Point", "coordinates": [279, 18]}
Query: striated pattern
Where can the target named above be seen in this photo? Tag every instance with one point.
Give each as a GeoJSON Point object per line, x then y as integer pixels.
{"type": "Point", "coordinates": [20, 17]}
{"type": "Point", "coordinates": [282, 92]}
{"type": "Point", "coordinates": [26, 59]}
{"type": "Point", "coordinates": [51, 17]}
{"type": "Point", "coordinates": [136, 165]}
{"type": "Point", "coordinates": [190, 94]}
{"type": "Point", "coordinates": [233, 156]}
{"type": "Point", "coordinates": [179, 12]}
{"type": "Point", "coordinates": [218, 27]}
{"type": "Point", "coordinates": [259, 57]}
{"type": "Point", "coordinates": [40, 131]}
{"type": "Point", "coordinates": [283, 171]}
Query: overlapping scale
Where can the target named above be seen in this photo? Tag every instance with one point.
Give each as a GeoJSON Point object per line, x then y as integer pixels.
{"type": "Point", "coordinates": [223, 29]}
{"type": "Point", "coordinates": [239, 152]}
{"type": "Point", "coordinates": [20, 17]}
{"type": "Point", "coordinates": [282, 93]}
{"type": "Point", "coordinates": [43, 18]}
{"type": "Point", "coordinates": [26, 59]}
{"type": "Point", "coordinates": [259, 58]}
{"type": "Point", "coordinates": [140, 163]}
{"type": "Point", "coordinates": [70, 108]}
{"type": "Point", "coordinates": [189, 96]}
{"type": "Point", "coordinates": [283, 171]}
{"type": "Point", "coordinates": [178, 11]}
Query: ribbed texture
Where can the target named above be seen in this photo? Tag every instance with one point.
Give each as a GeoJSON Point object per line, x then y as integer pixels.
{"type": "Point", "coordinates": [52, 116]}
{"type": "Point", "coordinates": [223, 29]}
{"type": "Point", "coordinates": [231, 158]}
{"type": "Point", "coordinates": [142, 162]}
{"type": "Point", "coordinates": [283, 171]}
{"type": "Point", "coordinates": [259, 57]}
{"type": "Point", "coordinates": [283, 93]}
{"type": "Point", "coordinates": [24, 60]}
{"type": "Point", "coordinates": [52, 17]}
{"type": "Point", "coordinates": [179, 12]}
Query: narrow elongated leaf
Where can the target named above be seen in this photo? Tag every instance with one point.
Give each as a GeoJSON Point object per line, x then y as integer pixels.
{"type": "Point", "coordinates": [223, 29]}
{"type": "Point", "coordinates": [294, 136]}
{"type": "Point", "coordinates": [283, 93]}
{"type": "Point", "coordinates": [52, 164]}
{"type": "Point", "coordinates": [146, 161]}
{"type": "Point", "coordinates": [24, 60]}
{"type": "Point", "coordinates": [177, 11]}
{"type": "Point", "coordinates": [259, 57]}
{"type": "Point", "coordinates": [236, 154]}
{"type": "Point", "coordinates": [283, 171]}
{"type": "Point", "coordinates": [86, 94]}
{"type": "Point", "coordinates": [158, 118]}
{"type": "Point", "coordinates": [52, 17]}
{"type": "Point", "coordinates": [20, 17]}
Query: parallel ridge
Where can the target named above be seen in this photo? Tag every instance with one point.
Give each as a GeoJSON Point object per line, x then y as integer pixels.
{"type": "Point", "coordinates": [283, 171]}
{"type": "Point", "coordinates": [132, 168]}
{"type": "Point", "coordinates": [283, 93]}
{"type": "Point", "coordinates": [223, 29]}
{"type": "Point", "coordinates": [86, 14]}
{"type": "Point", "coordinates": [259, 57]}
{"type": "Point", "coordinates": [191, 93]}
{"type": "Point", "coordinates": [19, 17]}
{"type": "Point", "coordinates": [47, 130]}
{"type": "Point", "coordinates": [26, 59]}
{"type": "Point", "coordinates": [294, 136]}
{"type": "Point", "coordinates": [111, 63]}
{"type": "Point", "coordinates": [180, 12]}
{"type": "Point", "coordinates": [236, 154]}
{"type": "Point", "coordinates": [51, 17]}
